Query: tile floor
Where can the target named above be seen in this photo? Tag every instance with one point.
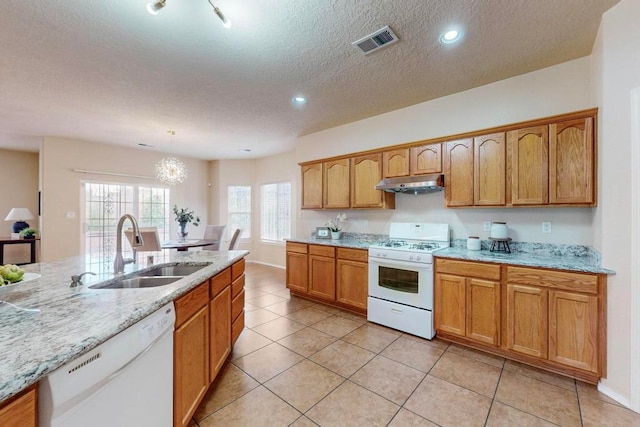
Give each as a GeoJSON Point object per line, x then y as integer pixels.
{"type": "Point", "coordinates": [298, 363]}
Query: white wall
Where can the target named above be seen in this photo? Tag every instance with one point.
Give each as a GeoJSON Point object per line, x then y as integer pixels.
{"type": "Point", "coordinates": [555, 90]}
{"type": "Point", "coordinates": [61, 187]}
{"type": "Point", "coordinates": [616, 60]}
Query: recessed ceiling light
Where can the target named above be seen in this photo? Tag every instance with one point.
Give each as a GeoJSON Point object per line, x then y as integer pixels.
{"type": "Point", "coordinates": [245, 150]}
{"type": "Point", "coordinates": [142, 144]}
{"type": "Point", "coordinates": [450, 36]}
{"type": "Point", "coordinates": [299, 100]}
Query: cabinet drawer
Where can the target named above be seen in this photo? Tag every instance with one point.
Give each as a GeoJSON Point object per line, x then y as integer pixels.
{"type": "Point", "coordinates": [237, 304]}
{"type": "Point", "coordinates": [577, 282]}
{"type": "Point", "coordinates": [466, 268]}
{"type": "Point", "coordinates": [328, 251]}
{"type": "Point", "coordinates": [220, 281]}
{"type": "Point", "coordinates": [301, 248]}
{"type": "Point", "coordinates": [237, 269]}
{"type": "Point", "coordinates": [237, 327]}
{"type": "Point", "coordinates": [189, 304]}
{"type": "Point", "coordinates": [353, 254]}
{"type": "Point", "coordinates": [237, 286]}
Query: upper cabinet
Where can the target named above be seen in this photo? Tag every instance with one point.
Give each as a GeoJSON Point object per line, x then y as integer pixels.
{"type": "Point", "coordinates": [571, 162]}
{"type": "Point", "coordinates": [336, 184]}
{"type": "Point", "coordinates": [396, 163]}
{"type": "Point", "coordinates": [425, 159]}
{"type": "Point", "coordinates": [458, 170]}
{"type": "Point", "coordinates": [544, 162]}
{"type": "Point", "coordinates": [529, 151]}
{"type": "Point", "coordinates": [366, 172]}
{"type": "Point", "coordinates": [312, 186]}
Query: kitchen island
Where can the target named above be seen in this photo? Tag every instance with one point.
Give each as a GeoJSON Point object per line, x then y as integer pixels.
{"type": "Point", "coordinates": [46, 323]}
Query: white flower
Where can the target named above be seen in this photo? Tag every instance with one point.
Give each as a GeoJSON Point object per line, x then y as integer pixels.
{"type": "Point", "coordinates": [335, 224]}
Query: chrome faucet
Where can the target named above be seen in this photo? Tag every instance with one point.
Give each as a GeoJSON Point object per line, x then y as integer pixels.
{"type": "Point", "coordinates": [76, 279]}
{"type": "Point", "coordinates": [119, 263]}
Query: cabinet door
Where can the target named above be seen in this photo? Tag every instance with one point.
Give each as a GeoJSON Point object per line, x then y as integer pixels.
{"type": "Point", "coordinates": [573, 330]}
{"type": "Point", "coordinates": [191, 366]}
{"type": "Point", "coordinates": [322, 277]}
{"type": "Point", "coordinates": [352, 283]}
{"type": "Point", "coordinates": [489, 154]}
{"type": "Point", "coordinates": [529, 162]}
{"type": "Point", "coordinates": [483, 311]}
{"type": "Point", "coordinates": [366, 172]}
{"type": "Point", "coordinates": [336, 184]}
{"type": "Point", "coordinates": [527, 311]}
{"type": "Point", "coordinates": [458, 170]}
{"type": "Point", "coordinates": [312, 186]}
{"type": "Point", "coordinates": [220, 331]}
{"type": "Point", "coordinates": [426, 159]}
{"type": "Point", "coordinates": [450, 304]}
{"type": "Point", "coordinates": [571, 162]}
{"type": "Point", "coordinates": [297, 272]}
{"type": "Point", "coordinates": [21, 410]}
{"type": "Point", "coordinates": [395, 163]}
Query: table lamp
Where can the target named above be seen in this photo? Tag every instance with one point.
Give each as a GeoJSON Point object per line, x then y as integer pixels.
{"type": "Point", "coordinates": [19, 215]}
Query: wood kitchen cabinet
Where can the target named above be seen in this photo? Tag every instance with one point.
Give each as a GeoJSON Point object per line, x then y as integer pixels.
{"type": "Point", "coordinates": [352, 277]}
{"type": "Point", "coordinates": [366, 172]}
{"type": "Point", "coordinates": [572, 162]}
{"type": "Point", "coordinates": [322, 272]}
{"type": "Point", "coordinates": [527, 313]}
{"type": "Point", "coordinates": [467, 300]}
{"type": "Point", "coordinates": [426, 159]}
{"type": "Point", "coordinates": [220, 321]}
{"type": "Point", "coordinates": [312, 178]}
{"type": "Point", "coordinates": [489, 173]}
{"type": "Point", "coordinates": [237, 299]}
{"type": "Point", "coordinates": [395, 163]}
{"type": "Point", "coordinates": [458, 170]}
{"type": "Point", "coordinates": [190, 353]}
{"type": "Point", "coordinates": [296, 267]}
{"type": "Point", "coordinates": [20, 410]}
{"type": "Point", "coordinates": [529, 165]}
{"type": "Point", "coordinates": [336, 184]}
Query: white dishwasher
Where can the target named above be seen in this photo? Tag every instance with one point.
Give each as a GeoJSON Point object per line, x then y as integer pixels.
{"type": "Point", "coordinates": [126, 381]}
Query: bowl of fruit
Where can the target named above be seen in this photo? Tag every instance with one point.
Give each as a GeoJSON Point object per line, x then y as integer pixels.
{"type": "Point", "coordinates": [11, 274]}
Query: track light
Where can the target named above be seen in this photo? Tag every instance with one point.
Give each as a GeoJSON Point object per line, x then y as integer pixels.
{"type": "Point", "coordinates": [154, 7]}
{"type": "Point", "coordinates": [225, 22]}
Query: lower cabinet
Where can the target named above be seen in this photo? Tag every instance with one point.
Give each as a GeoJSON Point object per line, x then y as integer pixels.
{"type": "Point", "coordinates": [329, 274]}
{"type": "Point", "coordinates": [547, 318]}
{"type": "Point", "coordinates": [220, 322]}
{"type": "Point", "coordinates": [20, 410]}
{"type": "Point", "coordinates": [237, 300]}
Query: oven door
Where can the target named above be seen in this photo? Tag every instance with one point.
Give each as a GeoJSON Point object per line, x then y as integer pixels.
{"type": "Point", "coordinates": [402, 282]}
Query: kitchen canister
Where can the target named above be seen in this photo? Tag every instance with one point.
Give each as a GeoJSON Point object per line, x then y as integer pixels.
{"type": "Point", "coordinates": [499, 230]}
{"type": "Point", "coordinates": [473, 243]}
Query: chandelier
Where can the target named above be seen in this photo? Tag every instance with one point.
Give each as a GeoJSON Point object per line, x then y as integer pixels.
{"type": "Point", "coordinates": [155, 6]}
{"type": "Point", "coordinates": [170, 170]}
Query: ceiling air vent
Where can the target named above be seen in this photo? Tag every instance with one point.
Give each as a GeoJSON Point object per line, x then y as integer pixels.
{"type": "Point", "coordinates": [375, 41]}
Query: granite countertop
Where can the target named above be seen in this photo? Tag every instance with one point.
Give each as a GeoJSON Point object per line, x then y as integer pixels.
{"type": "Point", "coordinates": [72, 321]}
{"type": "Point", "coordinates": [554, 261]}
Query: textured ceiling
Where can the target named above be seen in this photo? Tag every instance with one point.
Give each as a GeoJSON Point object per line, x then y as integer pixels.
{"type": "Point", "coordinates": [107, 71]}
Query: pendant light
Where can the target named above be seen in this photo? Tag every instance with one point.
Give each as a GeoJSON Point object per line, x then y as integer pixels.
{"type": "Point", "coordinates": [155, 6]}
{"type": "Point", "coordinates": [170, 170]}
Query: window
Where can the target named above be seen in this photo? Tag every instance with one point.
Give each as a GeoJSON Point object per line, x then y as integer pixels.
{"type": "Point", "coordinates": [275, 211]}
{"type": "Point", "coordinates": [239, 209]}
{"type": "Point", "coordinates": [105, 203]}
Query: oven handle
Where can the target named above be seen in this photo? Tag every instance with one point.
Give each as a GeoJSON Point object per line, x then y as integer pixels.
{"type": "Point", "coordinates": [395, 263]}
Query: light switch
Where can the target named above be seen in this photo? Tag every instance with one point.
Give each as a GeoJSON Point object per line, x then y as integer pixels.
{"type": "Point", "coordinates": [71, 215]}
{"type": "Point", "coordinates": [486, 226]}
{"type": "Point", "coordinates": [546, 227]}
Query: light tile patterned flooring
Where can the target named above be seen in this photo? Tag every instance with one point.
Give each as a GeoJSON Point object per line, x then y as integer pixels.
{"type": "Point", "coordinates": [299, 363]}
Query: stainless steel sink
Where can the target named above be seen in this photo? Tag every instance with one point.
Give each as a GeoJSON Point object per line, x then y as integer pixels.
{"type": "Point", "coordinates": [174, 270]}
{"type": "Point", "coordinates": [157, 276]}
{"type": "Point", "coordinates": [137, 282]}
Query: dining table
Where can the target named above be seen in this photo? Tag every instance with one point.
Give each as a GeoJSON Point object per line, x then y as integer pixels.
{"type": "Point", "coordinates": [184, 245]}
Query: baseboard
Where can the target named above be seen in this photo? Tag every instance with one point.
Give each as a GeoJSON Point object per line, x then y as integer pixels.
{"type": "Point", "coordinates": [265, 263]}
{"type": "Point", "coordinates": [613, 395]}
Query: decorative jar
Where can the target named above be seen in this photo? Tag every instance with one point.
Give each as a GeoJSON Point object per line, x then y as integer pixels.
{"type": "Point", "coordinates": [499, 230]}
{"type": "Point", "coordinates": [473, 243]}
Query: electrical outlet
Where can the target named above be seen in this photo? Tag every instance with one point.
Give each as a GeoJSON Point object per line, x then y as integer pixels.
{"type": "Point", "coordinates": [486, 226]}
{"type": "Point", "coordinates": [546, 227]}
{"type": "Point", "coordinates": [365, 223]}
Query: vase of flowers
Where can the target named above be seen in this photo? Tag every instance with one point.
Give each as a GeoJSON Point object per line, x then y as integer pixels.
{"type": "Point", "coordinates": [184, 217]}
{"type": "Point", "coordinates": [335, 225]}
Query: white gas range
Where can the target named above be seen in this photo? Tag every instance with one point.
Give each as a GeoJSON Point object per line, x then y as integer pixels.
{"type": "Point", "coordinates": [401, 277]}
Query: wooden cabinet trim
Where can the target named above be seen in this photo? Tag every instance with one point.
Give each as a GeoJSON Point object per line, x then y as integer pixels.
{"type": "Point", "coordinates": [361, 255]}
{"type": "Point", "coordinates": [321, 250]}
{"type": "Point", "coordinates": [468, 268]}
{"type": "Point", "coordinates": [561, 280]}
{"type": "Point", "coordinates": [188, 304]}
{"type": "Point", "coordinates": [297, 247]}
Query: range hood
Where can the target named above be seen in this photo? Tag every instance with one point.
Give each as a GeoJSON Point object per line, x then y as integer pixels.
{"type": "Point", "coordinates": [412, 184]}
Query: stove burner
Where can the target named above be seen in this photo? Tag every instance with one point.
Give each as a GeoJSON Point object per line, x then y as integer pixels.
{"type": "Point", "coordinates": [393, 243]}
{"type": "Point", "coordinates": [424, 246]}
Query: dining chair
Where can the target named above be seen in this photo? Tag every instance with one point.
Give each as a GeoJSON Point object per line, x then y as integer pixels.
{"type": "Point", "coordinates": [235, 239]}
{"type": "Point", "coordinates": [213, 232]}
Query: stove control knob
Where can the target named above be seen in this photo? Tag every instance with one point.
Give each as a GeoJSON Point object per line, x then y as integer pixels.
{"type": "Point", "coordinates": [417, 257]}
{"type": "Point", "coordinates": [410, 257]}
